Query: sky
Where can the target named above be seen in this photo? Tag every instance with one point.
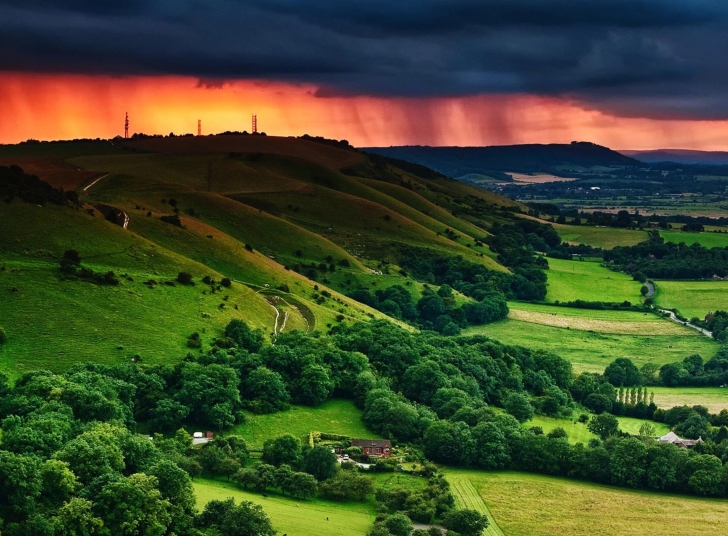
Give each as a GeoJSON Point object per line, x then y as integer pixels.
{"type": "Point", "coordinates": [629, 74]}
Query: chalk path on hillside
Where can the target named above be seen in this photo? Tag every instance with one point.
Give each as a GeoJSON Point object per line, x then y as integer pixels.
{"type": "Point", "coordinates": [468, 497]}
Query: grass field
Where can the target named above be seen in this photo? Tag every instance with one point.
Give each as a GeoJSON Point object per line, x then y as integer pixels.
{"type": "Point", "coordinates": [584, 280]}
{"type": "Point", "coordinates": [692, 298]}
{"type": "Point", "coordinates": [333, 416]}
{"type": "Point", "coordinates": [599, 237]}
{"type": "Point", "coordinates": [592, 352]}
{"type": "Point", "coordinates": [54, 324]}
{"type": "Point", "coordinates": [618, 322]}
{"type": "Point", "coordinates": [293, 516]}
{"type": "Point", "coordinates": [578, 432]}
{"type": "Point", "coordinates": [707, 239]}
{"type": "Point", "coordinates": [467, 497]}
{"type": "Point", "coordinates": [713, 398]}
{"type": "Point", "coordinates": [535, 505]}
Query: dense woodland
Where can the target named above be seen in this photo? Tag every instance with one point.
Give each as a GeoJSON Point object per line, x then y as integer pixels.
{"type": "Point", "coordinates": [71, 462]}
{"type": "Point", "coordinates": [658, 259]}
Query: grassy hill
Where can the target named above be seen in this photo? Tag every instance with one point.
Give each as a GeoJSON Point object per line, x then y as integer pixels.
{"type": "Point", "coordinates": [287, 220]}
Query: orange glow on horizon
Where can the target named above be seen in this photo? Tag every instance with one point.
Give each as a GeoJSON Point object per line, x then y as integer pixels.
{"type": "Point", "coordinates": [49, 107]}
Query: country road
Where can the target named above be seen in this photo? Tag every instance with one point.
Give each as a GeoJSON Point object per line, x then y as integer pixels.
{"type": "Point", "coordinates": [671, 315]}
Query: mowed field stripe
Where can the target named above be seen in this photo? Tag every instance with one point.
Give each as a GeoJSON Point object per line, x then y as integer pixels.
{"type": "Point", "coordinates": [466, 496]}
{"type": "Point", "coordinates": [657, 327]}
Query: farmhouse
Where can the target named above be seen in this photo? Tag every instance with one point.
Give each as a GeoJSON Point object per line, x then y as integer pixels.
{"type": "Point", "coordinates": [373, 447]}
{"type": "Point", "coordinates": [671, 437]}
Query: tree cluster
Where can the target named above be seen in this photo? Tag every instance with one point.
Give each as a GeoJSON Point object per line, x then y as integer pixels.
{"type": "Point", "coordinates": [70, 464]}
{"type": "Point", "coordinates": [660, 260]}
{"type": "Point", "coordinates": [14, 182]}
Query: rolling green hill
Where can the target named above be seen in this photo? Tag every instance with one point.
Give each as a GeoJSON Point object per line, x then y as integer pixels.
{"type": "Point", "coordinates": [287, 220]}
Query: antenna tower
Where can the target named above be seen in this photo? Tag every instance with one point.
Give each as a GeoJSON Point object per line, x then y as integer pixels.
{"type": "Point", "coordinates": [126, 126]}
{"type": "Point", "coordinates": [199, 127]}
{"type": "Point", "coordinates": [254, 130]}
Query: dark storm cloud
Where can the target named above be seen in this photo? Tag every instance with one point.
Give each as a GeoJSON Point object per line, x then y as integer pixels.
{"type": "Point", "coordinates": [634, 57]}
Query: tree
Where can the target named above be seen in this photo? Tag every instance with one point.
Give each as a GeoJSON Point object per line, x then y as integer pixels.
{"type": "Point", "coordinates": [20, 484]}
{"type": "Point", "coordinates": [491, 446]}
{"type": "Point", "coordinates": [623, 372]}
{"type": "Point", "coordinates": [246, 519]}
{"type": "Point", "coordinates": [3, 335]}
{"type": "Point", "coordinates": [705, 478]}
{"type": "Point", "coordinates": [76, 518]}
{"type": "Point", "coordinates": [628, 462]}
{"type": "Point", "coordinates": [283, 449]}
{"type": "Point", "coordinates": [647, 430]}
{"type": "Point", "coordinates": [314, 386]}
{"type": "Point", "coordinates": [302, 485]}
{"type": "Point", "coordinates": [320, 462]}
{"type": "Point", "coordinates": [266, 391]}
{"type": "Point", "coordinates": [348, 485]}
{"type": "Point", "coordinates": [604, 425]}
{"type": "Point", "coordinates": [466, 522]}
{"type": "Point", "coordinates": [168, 414]}
{"type": "Point", "coordinates": [93, 453]}
{"type": "Point", "coordinates": [398, 525]}
{"type": "Point", "coordinates": [133, 505]}
{"type": "Point", "coordinates": [244, 337]}
{"type": "Point", "coordinates": [518, 405]}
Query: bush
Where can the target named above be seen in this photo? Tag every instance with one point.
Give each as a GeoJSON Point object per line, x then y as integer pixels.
{"type": "Point", "coordinates": [3, 336]}
{"type": "Point", "coordinates": [225, 282]}
{"type": "Point", "coordinates": [184, 278]}
{"type": "Point", "coordinates": [173, 220]}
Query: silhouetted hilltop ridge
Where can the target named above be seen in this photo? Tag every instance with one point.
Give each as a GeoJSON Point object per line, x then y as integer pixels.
{"type": "Point", "coordinates": [530, 158]}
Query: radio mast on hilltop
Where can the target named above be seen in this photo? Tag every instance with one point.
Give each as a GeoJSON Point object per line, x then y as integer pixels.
{"type": "Point", "coordinates": [199, 127]}
{"type": "Point", "coordinates": [254, 129]}
{"type": "Point", "coordinates": [126, 126]}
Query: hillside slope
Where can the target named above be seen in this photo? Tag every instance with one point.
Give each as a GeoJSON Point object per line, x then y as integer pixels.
{"type": "Point", "coordinates": [287, 220]}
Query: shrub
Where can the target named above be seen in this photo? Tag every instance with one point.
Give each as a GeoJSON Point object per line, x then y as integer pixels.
{"type": "Point", "coordinates": [184, 278]}
{"type": "Point", "coordinates": [225, 282]}
{"type": "Point", "coordinates": [3, 336]}
{"type": "Point", "coordinates": [173, 220]}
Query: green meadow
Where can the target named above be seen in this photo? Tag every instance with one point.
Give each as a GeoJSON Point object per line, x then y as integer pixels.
{"type": "Point", "coordinates": [600, 321]}
{"type": "Point", "coordinates": [713, 398]}
{"type": "Point", "coordinates": [590, 351]}
{"type": "Point", "coordinates": [692, 298]}
{"type": "Point", "coordinates": [295, 517]}
{"type": "Point", "coordinates": [534, 505]}
{"type": "Point", "coordinates": [333, 416]}
{"type": "Point", "coordinates": [599, 237]}
{"type": "Point", "coordinates": [590, 281]}
{"type": "Point", "coordinates": [579, 433]}
{"type": "Point", "coordinates": [706, 239]}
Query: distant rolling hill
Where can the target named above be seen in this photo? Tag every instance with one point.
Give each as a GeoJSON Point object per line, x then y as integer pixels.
{"type": "Point", "coordinates": [680, 156]}
{"type": "Point", "coordinates": [558, 159]}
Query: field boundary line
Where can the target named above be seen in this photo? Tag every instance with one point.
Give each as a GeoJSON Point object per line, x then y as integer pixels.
{"type": "Point", "coordinates": [468, 497]}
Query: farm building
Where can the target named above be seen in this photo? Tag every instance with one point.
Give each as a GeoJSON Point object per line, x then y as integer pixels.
{"type": "Point", "coordinates": [671, 437]}
{"type": "Point", "coordinates": [373, 447]}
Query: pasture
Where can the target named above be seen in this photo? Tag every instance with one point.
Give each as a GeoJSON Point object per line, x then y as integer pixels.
{"type": "Point", "coordinates": [534, 505]}
{"type": "Point", "coordinates": [333, 416]}
{"type": "Point", "coordinates": [713, 398]}
{"type": "Point", "coordinates": [590, 351]}
{"type": "Point", "coordinates": [606, 321]}
{"type": "Point", "coordinates": [692, 298]}
{"type": "Point", "coordinates": [598, 237]}
{"type": "Point", "coordinates": [54, 324]}
{"type": "Point", "coordinates": [706, 239]}
{"type": "Point", "coordinates": [590, 281]}
{"type": "Point", "coordinates": [294, 516]}
{"type": "Point", "coordinates": [579, 433]}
